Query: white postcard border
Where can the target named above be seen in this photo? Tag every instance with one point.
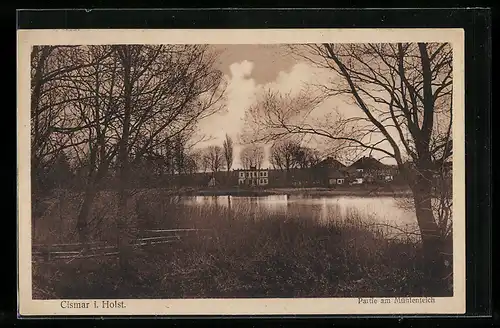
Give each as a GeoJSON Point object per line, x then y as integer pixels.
{"type": "Point", "coordinates": [300, 306]}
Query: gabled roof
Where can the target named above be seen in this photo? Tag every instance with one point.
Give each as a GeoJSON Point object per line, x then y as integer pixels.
{"type": "Point", "coordinates": [329, 163]}
{"type": "Point", "coordinates": [368, 163]}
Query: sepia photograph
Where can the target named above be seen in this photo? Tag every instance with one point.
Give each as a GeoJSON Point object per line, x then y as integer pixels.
{"type": "Point", "coordinates": [210, 172]}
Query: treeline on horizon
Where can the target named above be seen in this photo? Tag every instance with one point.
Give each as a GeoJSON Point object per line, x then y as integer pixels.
{"type": "Point", "coordinates": [178, 165]}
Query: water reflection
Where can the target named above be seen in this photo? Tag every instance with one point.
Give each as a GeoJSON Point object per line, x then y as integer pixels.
{"type": "Point", "coordinates": [382, 210]}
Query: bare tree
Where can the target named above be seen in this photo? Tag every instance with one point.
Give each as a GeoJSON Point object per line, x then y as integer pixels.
{"type": "Point", "coordinates": [193, 162]}
{"type": "Point", "coordinates": [179, 153]}
{"type": "Point", "coordinates": [404, 91]}
{"type": "Point", "coordinates": [166, 90]}
{"type": "Point", "coordinates": [442, 200]}
{"type": "Point", "coordinates": [252, 156]}
{"type": "Point", "coordinates": [60, 174]}
{"type": "Point", "coordinates": [124, 103]}
{"type": "Point", "coordinates": [198, 159]}
{"type": "Point", "coordinates": [205, 160]}
{"type": "Point", "coordinates": [280, 117]}
{"type": "Point", "coordinates": [215, 155]}
{"type": "Point", "coordinates": [283, 154]}
{"type": "Point", "coordinates": [51, 96]}
{"type": "Point", "coordinates": [306, 157]}
{"type": "Point", "coordinates": [228, 152]}
{"type": "Point", "coordinates": [86, 120]}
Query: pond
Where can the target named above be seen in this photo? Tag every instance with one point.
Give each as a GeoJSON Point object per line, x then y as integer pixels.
{"type": "Point", "coordinates": [381, 211]}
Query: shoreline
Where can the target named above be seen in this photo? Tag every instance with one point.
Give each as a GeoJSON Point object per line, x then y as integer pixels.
{"type": "Point", "coordinates": [311, 192]}
{"type": "Point", "coordinates": [300, 192]}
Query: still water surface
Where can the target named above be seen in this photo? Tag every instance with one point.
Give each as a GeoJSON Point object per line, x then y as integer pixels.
{"type": "Point", "coordinates": [374, 210]}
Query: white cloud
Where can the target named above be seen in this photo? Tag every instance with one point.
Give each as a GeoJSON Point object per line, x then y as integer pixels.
{"type": "Point", "coordinates": [241, 70]}
{"type": "Point", "coordinates": [294, 80]}
{"type": "Point", "coordinates": [242, 91]}
{"type": "Point", "coordinates": [240, 94]}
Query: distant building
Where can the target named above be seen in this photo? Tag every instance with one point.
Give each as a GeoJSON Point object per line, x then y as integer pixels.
{"type": "Point", "coordinates": [327, 171]}
{"type": "Point", "coordinates": [329, 163]}
{"type": "Point", "coordinates": [301, 177]}
{"type": "Point", "coordinates": [253, 177]}
{"type": "Point", "coordinates": [368, 169]}
{"type": "Point", "coordinates": [336, 178]}
{"type": "Point", "coordinates": [366, 164]}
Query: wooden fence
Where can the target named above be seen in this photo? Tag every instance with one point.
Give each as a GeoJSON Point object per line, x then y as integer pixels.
{"type": "Point", "coordinates": [71, 251]}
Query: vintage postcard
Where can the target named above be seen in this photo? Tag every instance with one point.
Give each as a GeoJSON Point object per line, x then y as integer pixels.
{"type": "Point", "coordinates": [241, 172]}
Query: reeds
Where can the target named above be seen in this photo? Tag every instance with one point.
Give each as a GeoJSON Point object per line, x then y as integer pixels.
{"type": "Point", "coordinates": [245, 251]}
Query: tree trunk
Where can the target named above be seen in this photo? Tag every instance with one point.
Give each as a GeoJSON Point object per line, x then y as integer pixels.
{"type": "Point", "coordinates": [122, 219]}
{"type": "Point", "coordinates": [431, 238]}
{"type": "Point", "coordinates": [82, 219]}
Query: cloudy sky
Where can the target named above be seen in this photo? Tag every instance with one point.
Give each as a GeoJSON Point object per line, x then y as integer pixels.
{"type": "Point", "coordinates": [250, 68]}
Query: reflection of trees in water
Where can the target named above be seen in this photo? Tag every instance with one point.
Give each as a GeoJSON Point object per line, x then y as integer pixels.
{"type": "Point", "coordinates": [383, 213]}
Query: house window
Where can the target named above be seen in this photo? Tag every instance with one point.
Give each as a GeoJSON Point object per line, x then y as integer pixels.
{"type": "Point", "coordinates": [265, 173]}
{"type": "Point", "coordinates": [242, 174]}
{"type": "Point", "coordinates": [340, 181]}
{"type": "Point", "coordinates": [265, 180]}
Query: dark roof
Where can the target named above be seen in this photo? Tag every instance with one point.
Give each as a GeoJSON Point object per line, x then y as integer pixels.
{"type": "Point", "coordinates": [335, 174]}
{"type": "Point", "coordinates": [368, 163]}
{"type": "Point", "coordinates": [330, 163]}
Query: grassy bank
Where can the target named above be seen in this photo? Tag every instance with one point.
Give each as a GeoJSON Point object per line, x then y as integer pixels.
{"type": "Point", "coordinates": [243, 253]}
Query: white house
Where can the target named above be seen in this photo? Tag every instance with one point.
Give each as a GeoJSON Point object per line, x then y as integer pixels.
{"type": "Point", "coordinates": [253, 177]}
